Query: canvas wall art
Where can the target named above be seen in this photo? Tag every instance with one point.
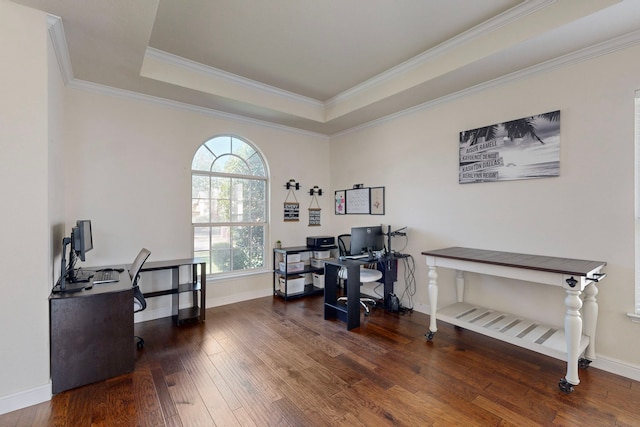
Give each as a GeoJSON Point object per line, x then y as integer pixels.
{"type": "Point", "coordinates": [525, 148]}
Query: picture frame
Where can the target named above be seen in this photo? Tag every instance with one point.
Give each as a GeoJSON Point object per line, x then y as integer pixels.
{"type": "Point", "coordinates": [524, 148]}
{"type": "Point", "coordinates": [358, 201]}
{"type": "Point", "coordinates": [340, 202]}
{"type": "Point", "coordinates": [376, 201]}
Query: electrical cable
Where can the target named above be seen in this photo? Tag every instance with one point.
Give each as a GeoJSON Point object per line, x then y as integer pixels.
{"type": "Point", "coordinates": [410, 281]}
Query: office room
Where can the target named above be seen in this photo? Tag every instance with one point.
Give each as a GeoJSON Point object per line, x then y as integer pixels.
{"type": "Point", "coordinates": [121, 156]}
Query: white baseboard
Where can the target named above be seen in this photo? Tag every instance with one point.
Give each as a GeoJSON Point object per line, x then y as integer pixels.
{"type": "Point", "coordinates": [609, 365]}
{"type": "Point", "coordinates": [25, 398]}
{"type": "Point", "coordinates": [158, 313]}
{"type": "Point", "coordinates": [616, 367]}
{"type": "Point", "coordinates": [245, 296]}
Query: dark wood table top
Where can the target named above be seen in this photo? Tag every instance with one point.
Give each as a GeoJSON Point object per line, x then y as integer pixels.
{"type": "Point", "coordinates": [569, 266]}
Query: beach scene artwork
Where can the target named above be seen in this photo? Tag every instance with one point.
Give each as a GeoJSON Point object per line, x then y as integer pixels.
{"type": "Point", "coordinates": [525, 148]}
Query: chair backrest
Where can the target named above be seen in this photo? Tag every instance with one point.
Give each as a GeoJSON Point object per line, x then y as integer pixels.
{"type": "Point", "coordinates": [344, 244]}
{"type": "Point", "coordinates": [139, 303]}
{"type": "Point", "coordinates": [134, 271]}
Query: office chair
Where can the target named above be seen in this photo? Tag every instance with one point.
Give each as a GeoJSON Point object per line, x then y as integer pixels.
{"type": "Point", "coordinates": [367, 274]}
{"type": "Point", "coordinates": [139, 303]}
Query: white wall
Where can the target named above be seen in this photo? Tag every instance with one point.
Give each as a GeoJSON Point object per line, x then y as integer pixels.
{"type": "Point", "coordinates": [140, 154]}
{"type": "Point", "coordinates": [24, 227]}
{"type": "Point", "coordinates": [586, 212]}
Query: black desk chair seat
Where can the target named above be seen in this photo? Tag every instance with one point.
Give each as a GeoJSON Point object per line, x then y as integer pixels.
{"type": "Point", "coordinates": [139, 303]}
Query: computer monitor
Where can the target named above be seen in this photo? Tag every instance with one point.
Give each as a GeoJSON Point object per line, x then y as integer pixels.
{"type": "Point", "coordinates": [80, 242]}
{"type": "Point", "coordinates": [366, 239]}
{"type": "Point", "coordinates": [81, 238]}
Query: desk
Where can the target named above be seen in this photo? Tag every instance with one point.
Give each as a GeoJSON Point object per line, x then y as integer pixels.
{"type": "Point", "coordinates": [575, 276]}
{"type": "Point", "coordinates": [91, 334]}
{"type": "Point", "coordinates": [91, 331]}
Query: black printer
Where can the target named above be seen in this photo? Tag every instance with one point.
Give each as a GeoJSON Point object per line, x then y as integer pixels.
{"type": "Point", "coordinates": [321, 242]}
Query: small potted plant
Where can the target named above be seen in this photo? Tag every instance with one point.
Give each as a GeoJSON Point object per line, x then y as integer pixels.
{"type": "Point", "coordinates": [278, 244]}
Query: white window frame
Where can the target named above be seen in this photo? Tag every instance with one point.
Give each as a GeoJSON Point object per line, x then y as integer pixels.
{"type": "Point", "coordinates": [264, 223]}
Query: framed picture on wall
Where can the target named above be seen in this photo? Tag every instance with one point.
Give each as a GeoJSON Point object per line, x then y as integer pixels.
{"type": "Point", "coordinates": [524, 148]}
{"type": "Point", "coordinates": [341, 202]}
{"type": "Point", "coordinates": [376, 201]}
{"type": "Point", "coordinates": [357, 201]}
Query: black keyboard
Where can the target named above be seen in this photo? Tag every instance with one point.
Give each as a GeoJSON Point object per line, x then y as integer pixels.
{"type": "Point", "coordinates": [106, 276]}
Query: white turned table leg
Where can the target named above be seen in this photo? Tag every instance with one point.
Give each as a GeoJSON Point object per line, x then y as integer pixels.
{"type": "Point", "coordinates": [573, 331]}
{"type": "Point", "coordinates": [433, 299]}
{"type": "Point", "coordinates": [590, 316]}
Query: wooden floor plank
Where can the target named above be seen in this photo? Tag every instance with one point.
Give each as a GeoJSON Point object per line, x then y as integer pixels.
{"type": "Point", "coordinates": [269, 362]}
{"type": "Point", "coordinates": [190, 406]}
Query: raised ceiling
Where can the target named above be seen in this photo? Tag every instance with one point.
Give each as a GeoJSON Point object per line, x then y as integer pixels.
{"type": "Point", "coordinates": [326, 66]}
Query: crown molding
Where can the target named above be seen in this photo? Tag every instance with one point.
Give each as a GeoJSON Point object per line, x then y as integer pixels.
{"type": "Point", "coordinates": [585, 54]}
{"type": "Point", "coordinates": [180, 62]}
{"type": "Point", "coordinates": [59, 41]}
{"type": "Point", "coordinates": [183, 106]}
{"type": "Point", "coordinates": [56, 32]}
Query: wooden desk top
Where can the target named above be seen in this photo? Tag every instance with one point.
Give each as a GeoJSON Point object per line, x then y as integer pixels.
{"type": "Point", "coordinates": [568, 266]}
{"type": "Point", "coordinates": [124, 284]}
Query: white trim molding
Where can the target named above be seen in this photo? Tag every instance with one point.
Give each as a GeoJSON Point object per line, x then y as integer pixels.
{"type": "Point", "coordinates": [25, 398]}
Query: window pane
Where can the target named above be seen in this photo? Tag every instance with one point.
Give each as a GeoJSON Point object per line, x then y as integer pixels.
{"type": "Point", "coordinates": [230, 164]}
{"type": "Point", "coordinates": [219, 145]}
{"type": "Point", "coordinates": [221, 249]}
{"type": "Point", "coordinates": [248, 242]}
{"type": "Point", "coordinates": [202, 160]}
{"type": "Point", "coordinates": [200, 186]}
{"type": "Point", "coordinates": [200, 211]}
{"type": "Point", "coordinates": [256, 165]}
{"type": "Point", "coordinates": [248, 203]}
{"type": "Point", "coordinates": [201, 239]}
{"type": "Point", "coordinates": [241, 148]}
{"type": "Point", "coordinates": [220, 203]}
{"type": "Point", "coordinates": [220, 260]}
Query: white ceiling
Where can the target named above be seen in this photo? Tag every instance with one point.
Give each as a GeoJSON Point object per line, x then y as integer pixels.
{"type": "Point", "coordinates": [326, 66]}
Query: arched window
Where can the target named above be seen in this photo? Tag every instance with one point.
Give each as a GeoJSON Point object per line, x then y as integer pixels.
{"type": "Point", "coordinates": [229, 205]}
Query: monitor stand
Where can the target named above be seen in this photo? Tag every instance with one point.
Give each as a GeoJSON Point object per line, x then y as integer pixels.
{"type": "Point", "coordinates": [70, 287]}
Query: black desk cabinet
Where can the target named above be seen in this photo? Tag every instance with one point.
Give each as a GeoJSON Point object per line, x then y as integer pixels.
{"type": "Point", "coordinates": [91, 334]}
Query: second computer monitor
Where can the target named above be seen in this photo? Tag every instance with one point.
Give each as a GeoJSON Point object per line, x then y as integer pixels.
{"type": "Point", "coordinates": [365, 239]}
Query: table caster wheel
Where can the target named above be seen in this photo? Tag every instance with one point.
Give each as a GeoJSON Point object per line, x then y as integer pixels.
{"type": "Point", "coordinates": [583, 363]}
{"type": "Point", "coordinates": [565, 386]}
{"type": "Point", "coordinates": [429, 335]}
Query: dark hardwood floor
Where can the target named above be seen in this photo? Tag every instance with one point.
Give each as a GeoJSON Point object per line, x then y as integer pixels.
{"type": "Point", "coordinates": [268, 362]}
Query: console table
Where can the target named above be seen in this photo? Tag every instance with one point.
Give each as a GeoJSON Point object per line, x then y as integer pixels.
{"type": "Point", "coordinates": [575, 276]}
